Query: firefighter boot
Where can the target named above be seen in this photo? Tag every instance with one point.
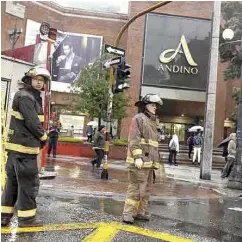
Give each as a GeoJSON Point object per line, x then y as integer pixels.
{"type": "Point", "coordinates": [128, 219]}
{"type": "Point", "coordinates": [31, 223]}
{"type": "Point", "coordinates": [144, 217]}
{"type": "Point", "coordinates": [5, 219]}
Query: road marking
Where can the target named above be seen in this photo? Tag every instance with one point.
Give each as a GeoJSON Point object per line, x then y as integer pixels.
{"type": "Point", "coordinates": [103, 232]}
{"type": "Point", "coordinates": [236, 209]}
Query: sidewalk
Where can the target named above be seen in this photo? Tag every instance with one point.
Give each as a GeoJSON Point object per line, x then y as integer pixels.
{"type": "Point", "coordinates": [180, 173]}
{"type": "Point", "coordinates": [192, 175]}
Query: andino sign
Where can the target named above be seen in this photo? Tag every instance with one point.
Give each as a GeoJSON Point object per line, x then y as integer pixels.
{"type": "Point", "coordinates": [167, 56]}
{"type": "Point", "coordinates": [176, 52]}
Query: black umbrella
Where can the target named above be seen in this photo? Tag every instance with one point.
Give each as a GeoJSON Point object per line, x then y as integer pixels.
{"type": "Point", "coordinates": [224, 142]}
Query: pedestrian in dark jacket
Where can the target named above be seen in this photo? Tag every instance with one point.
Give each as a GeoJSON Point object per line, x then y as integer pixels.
{"type": "Point", "coordinates": [98, 146]}
{"type": "Point", "coordinates": [190, 146]}
{"type": "Point", "coordinates": [53, 139]}
{"type": "Point", "coordinates": [26, 137]}
{"type": "Point", "coordinates": [231, 156]}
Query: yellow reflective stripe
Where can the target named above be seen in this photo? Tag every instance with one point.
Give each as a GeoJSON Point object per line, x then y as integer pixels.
{"type": "Point", "coordinates": [27, 213]}
{"type": "Point", "coordinates": [6, 209]}
{"type": "Point", "coordinates": [10, 131]}
{"type": "Point", "coordinates": [137, 152]}
{"type": "Point", "coordinates": [44, 137]}
{"type": "Point", "coordinates": [150, 142]}
{"type": "Point", "coordinates": [17, 115]}
{"type": "Point", "coordinates": [132, 202]}
{"type": "Point", "coordinates": [22, 149]}
{"type": "Point", "coordinates": [148, 164]}
{"type": "Point", "coordinates": [130, 160]}
{"type": "Point", "coordinates": [41, 118]}
{"type": "Point", "coordinates": [156, 165]}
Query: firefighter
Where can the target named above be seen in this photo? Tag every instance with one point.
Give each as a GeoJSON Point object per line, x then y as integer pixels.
{"type": "Point", "coordinates": [143, 158]}
{"type": "Point", "coordinates": [26, 137]}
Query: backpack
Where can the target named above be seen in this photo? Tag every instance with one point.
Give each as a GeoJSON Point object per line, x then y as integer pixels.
{"type": "Point", "coordinates": [190, 141]}
{"type": "Point", "coordinates": [197, 140]}
{"type": "Point", "coordinates": [173, 145]}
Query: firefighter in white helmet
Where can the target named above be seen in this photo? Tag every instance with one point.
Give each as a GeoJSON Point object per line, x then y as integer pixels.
{"type": "Point", "coordinates": [143, 158]}
{"type": "Point", "coordinates": [26, 136]}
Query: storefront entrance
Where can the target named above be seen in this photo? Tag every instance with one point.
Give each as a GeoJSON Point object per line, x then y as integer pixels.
{"type": "Point", "coordinates": [173, 128]}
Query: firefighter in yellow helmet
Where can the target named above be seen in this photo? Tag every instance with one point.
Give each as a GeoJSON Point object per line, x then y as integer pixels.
{"type": "Point", "coordinates": [143, 158]}
{"type": "Point", "coordinates": [26, 137]}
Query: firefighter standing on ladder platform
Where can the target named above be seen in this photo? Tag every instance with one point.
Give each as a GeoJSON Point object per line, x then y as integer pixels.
{"type": "Point", "coordinates": [143, 158]}
{"type": "Point", "coordinates": [26, 137]}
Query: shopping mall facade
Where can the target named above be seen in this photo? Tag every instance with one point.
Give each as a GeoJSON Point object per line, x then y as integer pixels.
{"type": "Point", "coordinates": [168, 50]}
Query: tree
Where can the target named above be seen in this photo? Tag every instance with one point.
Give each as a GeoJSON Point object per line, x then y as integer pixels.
{"type": "Point", "coordinates": [92, 88]}
{"type": "Point", "coordinates": [236, 93]}
{"type": "Point", "coordinates": [232, 14]}
{"type": "Point", "coordinates": [232, 53]}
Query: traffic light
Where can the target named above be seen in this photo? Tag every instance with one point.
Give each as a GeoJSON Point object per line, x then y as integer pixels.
{"type": "Point", "coordinates": [122, 77]}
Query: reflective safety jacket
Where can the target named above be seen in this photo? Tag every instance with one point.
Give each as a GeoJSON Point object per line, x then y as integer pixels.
{"type": "Point", "coordinates": [143, 141]}
{"type": "Point", "coordinates": [26, 126]}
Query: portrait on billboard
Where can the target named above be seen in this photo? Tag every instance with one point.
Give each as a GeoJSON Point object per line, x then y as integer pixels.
{"type": "Point", "coordinates": [72, 52]}
{"type": "Point", "coordinates": [176, 52]}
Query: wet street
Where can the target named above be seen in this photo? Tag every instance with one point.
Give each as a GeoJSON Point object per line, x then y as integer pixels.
{"type": "Point", "coordinates": [78, 206]}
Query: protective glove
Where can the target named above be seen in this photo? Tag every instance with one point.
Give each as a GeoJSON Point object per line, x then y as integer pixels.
{"type": "Point", "coordinates": [138, 163]}
{"type": "Point", "coordinates": [42, 144]}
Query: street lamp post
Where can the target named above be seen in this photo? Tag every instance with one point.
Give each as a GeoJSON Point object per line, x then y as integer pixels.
{"type": "Point", "coordinates": [235, 178]}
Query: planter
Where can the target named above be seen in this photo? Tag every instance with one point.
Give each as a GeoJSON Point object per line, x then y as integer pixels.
{"type": "Point", "coordinates": [85, 150]}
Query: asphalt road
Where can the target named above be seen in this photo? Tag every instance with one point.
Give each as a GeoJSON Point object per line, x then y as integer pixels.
{"type": "Point", "coordinates": [70, 217]}
{"type": "Point", "coordinates": [78, 206]}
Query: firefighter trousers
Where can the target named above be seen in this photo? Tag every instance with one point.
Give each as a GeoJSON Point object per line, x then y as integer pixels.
{"type": "Point", "coordinates": [21, 187]}
{"type": "Point", "coordinates": [139, 188]}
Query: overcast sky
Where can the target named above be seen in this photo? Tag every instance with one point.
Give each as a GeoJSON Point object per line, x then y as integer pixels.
{"type": "Point", "coordinates": [118, 6]}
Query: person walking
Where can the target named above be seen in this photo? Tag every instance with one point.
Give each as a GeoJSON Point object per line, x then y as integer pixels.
{"type": "Point", "coordinates": [70, 131]}
{"type": "Point", "coordinates": [89, 133]}
{"type": "Point", "coordinates": [98, 146]}
{"type": "Point", "coordinates": [174, 149]}
{"type": "Point", "coordinates": [25, 139]}
{"type": "Point", "coordinates": [190, 145]}
{"type": "Point", "coordinates": [143, 158]}
{"type": "Point", "coordinates": [231, 156]}
{"type": "Point", "coordinates": [53, 138]}
{"type": "Point", "coordinates": [197, 142]}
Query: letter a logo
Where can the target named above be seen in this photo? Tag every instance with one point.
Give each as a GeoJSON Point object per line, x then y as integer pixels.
{"type": "Point", "coordinates": [186, 51]}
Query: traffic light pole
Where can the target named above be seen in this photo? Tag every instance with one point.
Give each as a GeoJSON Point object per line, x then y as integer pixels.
{"type": "Point", "coordinates": [104, 174]}
{"type": "Point", "coordinates": [46, 107]}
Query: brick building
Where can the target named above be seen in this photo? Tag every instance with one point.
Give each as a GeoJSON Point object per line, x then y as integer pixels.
{"type": "Point", "coordinates": [178, 112]}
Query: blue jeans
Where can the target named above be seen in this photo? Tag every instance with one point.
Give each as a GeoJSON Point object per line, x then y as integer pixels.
{"type": "Point", "coordinates": [98, 160]}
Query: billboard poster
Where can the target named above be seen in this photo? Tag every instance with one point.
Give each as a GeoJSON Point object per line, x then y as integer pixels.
{"type": "Point", "coordinates": [176, 52]}
{"type": "Point", "coordinates": [71, 53]}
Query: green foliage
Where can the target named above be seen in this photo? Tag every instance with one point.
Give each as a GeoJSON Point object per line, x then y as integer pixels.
{"type": "Point", "coordinates": [70, 139]}
{"type": "Point", "coordinates": [120, 142]}
{"type": "Point", "coordinates": [93, 92]}
{"type": "Point", "coordinates": [232, 14]}
{"type": "Point", "coordinates": [120, 105]}
{"type": "Point", "coordinates": [236, 94]}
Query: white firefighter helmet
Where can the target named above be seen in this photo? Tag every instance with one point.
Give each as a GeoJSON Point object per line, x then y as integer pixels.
{"type": "Point", "coordinates": [36, 71]}
{"type": "Point", "coordinates": [149, 98]}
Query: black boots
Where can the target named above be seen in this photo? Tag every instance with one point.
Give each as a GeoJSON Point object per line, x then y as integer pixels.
{"type": "Point", "coordinates": [32, 223]}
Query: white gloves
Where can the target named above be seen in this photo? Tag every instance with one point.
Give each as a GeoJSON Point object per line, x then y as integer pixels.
{"type": "Point", "coordinates": [138, 163]}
